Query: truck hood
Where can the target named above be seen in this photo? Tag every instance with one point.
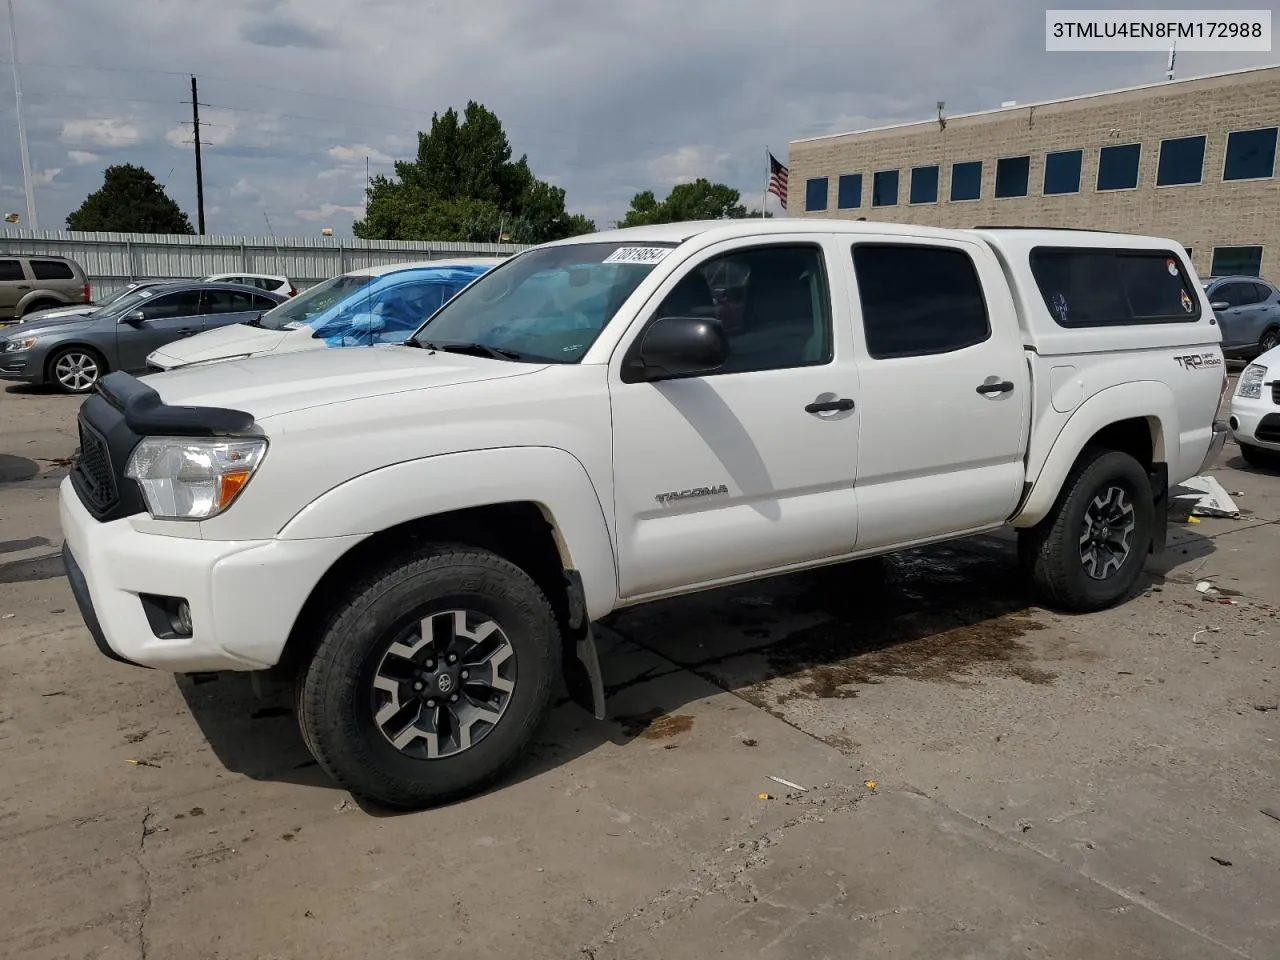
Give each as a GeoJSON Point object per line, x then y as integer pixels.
{"type": "Point", "coordinates": [234, 340]}
{"type": "Point", "coordinates": [274, 384]}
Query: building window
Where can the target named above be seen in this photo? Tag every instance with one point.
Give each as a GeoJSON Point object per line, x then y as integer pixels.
{"type": "Point", "coordinates": [884, 188]}
{"type": "Point", "coordinates": [1085, 287]}
{"type": "Point", "coordinates": [1251, 154]}
{"type": "Point", "coordinates": [1062, 172]}
{"type": "Point", "coordinates": [966, 180]}
{"type": "Point", "coordinates": [918, 300]}
{"type": "Point", "coordinates": [849, 191]}
{"type": "Point", "coordinates": [1118, 166]}
{"type": "Point", "coordinates": [924, 185]}
{"type": "Point", "coordinates": [1181, 161]}
{"type": "Point", "coordinates": [1012, 176]}
{"type": "Point", "coordinates": [815, 193]}
{"type": "Point", "coordinates": [1236, 262]}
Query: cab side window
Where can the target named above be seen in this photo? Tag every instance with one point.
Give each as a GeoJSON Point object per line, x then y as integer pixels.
{"type": "Point", "coordinates": [772, 303]}
{"type": "Point", "coordinates": [918, 300]}
{"type": "Point", "coordinates": [186, 304]}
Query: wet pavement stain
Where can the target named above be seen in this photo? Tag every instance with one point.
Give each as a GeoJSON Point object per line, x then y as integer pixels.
{"type": "Point", "coordinates": [655, 725]}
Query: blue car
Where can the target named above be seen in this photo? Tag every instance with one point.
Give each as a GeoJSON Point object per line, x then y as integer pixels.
{"type": "Point", "coordinates": [362, 308]}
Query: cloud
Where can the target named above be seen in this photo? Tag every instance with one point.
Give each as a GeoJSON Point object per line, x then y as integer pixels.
{"type": "Point", "coordinates": [81, 157]}
{"type": "Point", "coordinates": [688, 163]}
{"type": "Point", "coordinates": [244, 190]}
{"type": "Point", "coordinates": [46, 177]}
{"type": "Point", "coordinates": [103, 131]}
{"type": "Point", "coordinates": [356, 154]}
{"type": "Point", "coordinates": [217, 129]}
{"type": "Point", "coordinates": [327, 211]}
{"type": "Point", "coordinates": [282, 32]}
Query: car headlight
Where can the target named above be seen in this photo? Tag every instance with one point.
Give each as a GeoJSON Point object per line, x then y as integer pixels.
{"type": "Point", "coordinates": [1250, 386]}
{"type": "Point", "coordinates": [193, 479]}
{"type": "Point", "coordinates": [21, 343]}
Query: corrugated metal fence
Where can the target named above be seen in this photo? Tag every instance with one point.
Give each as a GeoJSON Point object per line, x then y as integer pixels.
{"type": "Point", "coordinates": [112, 259]}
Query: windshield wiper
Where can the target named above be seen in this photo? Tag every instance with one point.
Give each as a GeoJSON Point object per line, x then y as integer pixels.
{"type": "Point", "coordinates": [254, 321]}
{"type": "Point", "coordinates": [474, 349]}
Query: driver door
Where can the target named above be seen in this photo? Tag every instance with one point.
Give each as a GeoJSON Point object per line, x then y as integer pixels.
{"type": "Point", "coordinates": [165, 318]}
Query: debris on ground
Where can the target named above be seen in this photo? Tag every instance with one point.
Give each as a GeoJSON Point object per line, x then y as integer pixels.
{"type": "Point", "coordinates": [764, 796]}
{"type": "Point", "coordinates": [748, 743]}
{"type": "Point", "coordinates": [1204, 586]}
{"type": "Point", "coordinates": [869, 784]}
{"type": "Point", "coordinates": [788, 783]}
{"type": "Point", "coordinates": [1271, 812]}
{"type": "Point", "coordinates": [8, 616]}
{"type": "Point", "coordinates": [1023, 825]}
{"type": "Point", "coordinates": [1220, 861]}
{"type": "Point", "coordinates": [1206, 498]}
{"type": "Point", "coordinates": [1266, 707]}
{"type": "Point", "coordinates": [343, 806]}
{"type": "Point", "coordinates": [143, 763]}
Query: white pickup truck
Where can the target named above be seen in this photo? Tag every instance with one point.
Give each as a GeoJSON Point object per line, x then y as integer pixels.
{"type": "Point", "coordinates": [423, 535]}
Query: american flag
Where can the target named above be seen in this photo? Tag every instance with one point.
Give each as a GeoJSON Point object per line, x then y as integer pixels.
{"type": "Point", "coordinates": [778, 180]}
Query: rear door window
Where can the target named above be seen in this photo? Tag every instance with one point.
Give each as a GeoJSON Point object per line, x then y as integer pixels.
{"type": "Point", "coordinates": [1085, 287]}
{"type": "Point", "coordinates": [1238, 294]}
{"type": "Point", "coordinates": [52, 270]}
{"type": "Point", "coordinates": [11, 270]}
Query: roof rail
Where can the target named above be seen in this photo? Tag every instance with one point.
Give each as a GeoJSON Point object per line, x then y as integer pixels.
{"type": "Point", "coordinates": [1023, 226]}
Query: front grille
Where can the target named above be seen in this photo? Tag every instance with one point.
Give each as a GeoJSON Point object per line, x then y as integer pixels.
{"type": "Point", "coordinates": [1269, 428]}
{"type": "Point", "coordinates": [1275, 391]}
{"type": "Point", "coordinates": [91, 473]}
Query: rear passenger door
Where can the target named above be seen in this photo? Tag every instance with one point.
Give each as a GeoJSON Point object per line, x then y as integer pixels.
{"type": "Point", "coordinates": [945, 392]}
{"type": "Point", "coordinates": [1241, 321]}
{"type": "Point", "coordinates": [222, 308]}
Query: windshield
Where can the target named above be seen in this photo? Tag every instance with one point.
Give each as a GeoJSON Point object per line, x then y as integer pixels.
{"type": "Point", "coordinates": [308, 307]}
{"type": "Point", "coordinates": [549, 304]}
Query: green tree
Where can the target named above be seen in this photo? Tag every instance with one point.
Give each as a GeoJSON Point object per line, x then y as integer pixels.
{"type": "Point", "coordinates": [700, 200]}
{"type": "Point", "coordinates": [463, 185]}
{"type": "Point", "coordinates": [129, 201]}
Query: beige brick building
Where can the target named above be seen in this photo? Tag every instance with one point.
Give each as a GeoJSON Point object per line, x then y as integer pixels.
{"type": "Point", "coordinates": [1191, 159]}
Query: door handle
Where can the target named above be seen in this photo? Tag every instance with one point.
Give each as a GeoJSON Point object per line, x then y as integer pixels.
{"type": "Point", "coordinates": [23, 286]}
{"type": "Point", "coordinates": [828, 406]}
{"type": "Point", "coordinates": [998, 386]}
{"type": "Point", "coordinates": [187, 331]}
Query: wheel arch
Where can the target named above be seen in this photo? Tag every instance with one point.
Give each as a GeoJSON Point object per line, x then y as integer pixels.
{"type": "Point", "coordinates": [1139, 418]}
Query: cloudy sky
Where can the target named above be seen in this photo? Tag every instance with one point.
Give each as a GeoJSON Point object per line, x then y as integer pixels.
{"type": "Point", "coordinates": [607, 97]}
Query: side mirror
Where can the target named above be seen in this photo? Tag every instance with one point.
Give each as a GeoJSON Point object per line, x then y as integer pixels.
{"type": "Point", "coordinates": [1219, 305]}
{"type": "Point", "coordinates": [674, 347]}
{"type": "Point", "coordinates": [134, 318]}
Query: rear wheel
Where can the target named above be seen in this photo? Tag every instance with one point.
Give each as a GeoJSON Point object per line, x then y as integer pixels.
{"type": "Point", "coordinates": [1269, 340]}
{"type": "Point", "coordinates": [76, 369]}
{"type": "Point", "coordinates": [1259, 456]}
{"type": "Point", "coordinates": [430, 680]}
{"type": "Point", "coordinates": [40, 305]}
{"type": "Point", "coordinates": [1088, 553]}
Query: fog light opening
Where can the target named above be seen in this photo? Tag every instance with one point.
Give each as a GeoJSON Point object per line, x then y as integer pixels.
{"type": "Point", "coordinates": [1234, 423]}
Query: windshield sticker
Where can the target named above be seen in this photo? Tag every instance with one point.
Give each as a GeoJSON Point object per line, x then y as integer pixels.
{"type": "Point", "coordinates": [1172, 265]}
{"type": "Point", "coordinates": [1187, 305]}
{"type": "Point", "coordinates": [645, 255]}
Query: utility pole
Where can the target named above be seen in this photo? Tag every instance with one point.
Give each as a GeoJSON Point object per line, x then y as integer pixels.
{"type": "Point", "coordinates": [195, 128]}
{"type": "Point", "coordinates": [27, 182]}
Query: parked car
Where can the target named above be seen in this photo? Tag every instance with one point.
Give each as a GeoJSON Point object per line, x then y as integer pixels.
{"type": "Point", "coordinates": [72, 353]}
{"type": "Point", "coordinates": [1255, 410]}
{"type": "Point", "coordinates": [422, 535]}
{"type": "Point", "coordinates": [84, 309]}
{"type": "Point", "coordinates": [263, 281]}
{"type": "Point", "coordinates": [367, 307]}
{"type": "Point", "coordinates": [30, 283]}
{"type": "Point", "coordinates": [1248, 310]}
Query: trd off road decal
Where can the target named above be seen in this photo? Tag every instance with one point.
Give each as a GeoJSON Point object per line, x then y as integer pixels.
{"type": "Point", "coordinates": [1198, 361]}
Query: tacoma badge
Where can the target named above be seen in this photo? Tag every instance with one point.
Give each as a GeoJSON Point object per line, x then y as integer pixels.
{"type": "Point", "coordinates": [688, 494]}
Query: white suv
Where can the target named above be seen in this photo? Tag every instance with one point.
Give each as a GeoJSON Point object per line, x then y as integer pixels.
{"type": "Point", "coordinates": [1255, 411]}
{"type": "Point", "coordinates": [263, 281]}
{"type": "Point", "coordinates": [422, 535]}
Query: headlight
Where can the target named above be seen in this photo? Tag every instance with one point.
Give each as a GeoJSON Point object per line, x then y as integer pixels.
{"type": "Point", "coordinates": [189, 479]}
{"type": "Point", "coordinates": [13, 346]}
{"type": "Point", "coordinates": [1250, 386]}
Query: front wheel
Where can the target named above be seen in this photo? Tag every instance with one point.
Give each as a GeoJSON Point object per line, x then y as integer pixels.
{"type": "Point", "coordinates": [1269, 341]}
{"type": "Point", "coordinates": [1088, 553]}
{"type": "Point", "coordinates": [431, 678]}
{"type": "Point", "coordinates": [1259, 456]}
{"type": "Point", "coordinates": [75, 369]}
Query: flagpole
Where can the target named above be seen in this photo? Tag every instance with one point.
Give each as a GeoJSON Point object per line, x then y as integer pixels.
{"type": "Point", "coordinates": [768, 173]}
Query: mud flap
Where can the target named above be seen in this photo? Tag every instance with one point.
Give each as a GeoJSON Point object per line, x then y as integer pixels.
{"type": "Point", "coordinates": [1159, 474]}
{"type": "Point", "coordinates": [582, 673]}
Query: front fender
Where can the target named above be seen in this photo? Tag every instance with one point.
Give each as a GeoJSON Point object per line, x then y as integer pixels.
{"type": "Point", "coordinates": [552, 478]}
{"type": "Point", "coordinates": [1150, 400]}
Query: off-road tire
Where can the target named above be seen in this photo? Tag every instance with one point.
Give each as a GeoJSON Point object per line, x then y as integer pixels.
{"type": "Point", "coordinates": [334, 689]}
{"type": "Point", "coordinates": [1050, 551]}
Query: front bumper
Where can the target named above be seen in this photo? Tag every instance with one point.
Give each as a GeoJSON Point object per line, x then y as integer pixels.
{"type": "Point", "coordinates": [1251, 417]}
{"type": "Point", "coordinates": [245, 595]}
{"type": "Point", "coordinates": [21, 365]}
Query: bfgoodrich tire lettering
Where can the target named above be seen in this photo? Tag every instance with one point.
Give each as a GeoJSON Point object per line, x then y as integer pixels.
{"type": "Point", "coordinates": [1088, 554]}
{"type": "Point", "coordinates": [342, 700]}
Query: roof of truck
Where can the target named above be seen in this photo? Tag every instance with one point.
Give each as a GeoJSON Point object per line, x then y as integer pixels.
{"type": "Point", "coordinates": [675, 233]}
{"type": "Point", "coordinates": [385, 268]}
